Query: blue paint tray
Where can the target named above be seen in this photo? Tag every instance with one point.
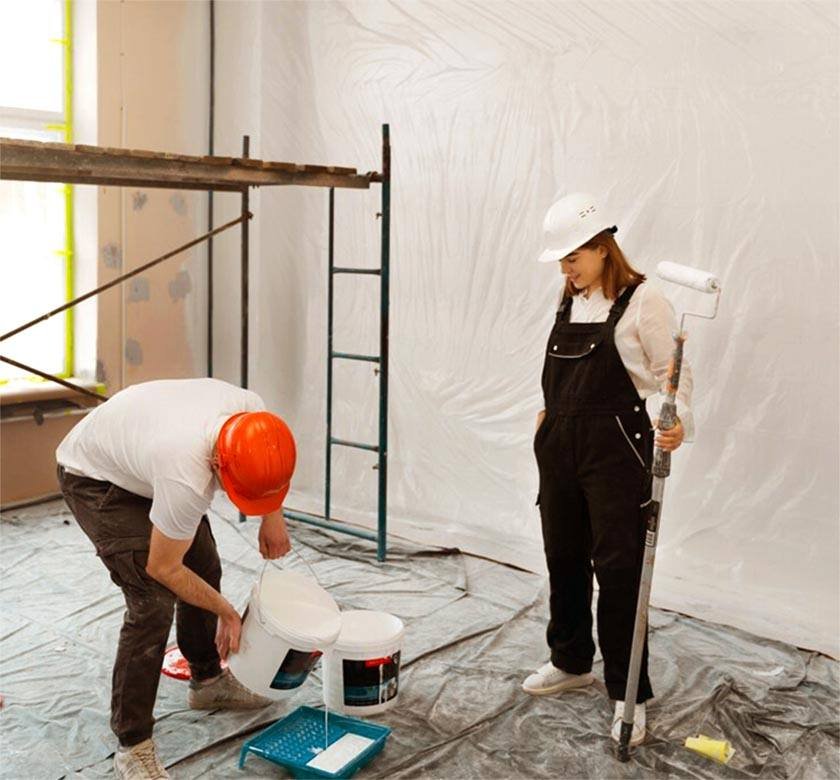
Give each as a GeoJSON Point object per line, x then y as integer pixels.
{"type": "Point", "coordinates": [296, 741]}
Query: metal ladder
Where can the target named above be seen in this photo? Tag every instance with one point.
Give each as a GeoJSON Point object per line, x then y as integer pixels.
{"type": "Point", "coordinates": [381, 360]}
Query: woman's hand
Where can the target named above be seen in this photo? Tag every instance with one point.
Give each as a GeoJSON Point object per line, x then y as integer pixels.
{"type": "Point", "coordinates": [671, 439]}
{"type": "Point", "coordinates": [540, 418]}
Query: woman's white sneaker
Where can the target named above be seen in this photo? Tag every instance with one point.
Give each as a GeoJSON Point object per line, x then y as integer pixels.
{"type": "Point", "coordinates": [549, 679]}
{"type": "Point", "coordinates": [639, 723]}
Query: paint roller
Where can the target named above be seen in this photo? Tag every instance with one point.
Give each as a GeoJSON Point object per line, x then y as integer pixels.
{"type": "Point", "coordinates": [688, 277]}
{"type": "Point", "coordinates": [706, 283]}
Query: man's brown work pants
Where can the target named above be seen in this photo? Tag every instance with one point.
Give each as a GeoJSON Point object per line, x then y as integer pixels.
{"type": "Point", "coordinates": [117, 522]}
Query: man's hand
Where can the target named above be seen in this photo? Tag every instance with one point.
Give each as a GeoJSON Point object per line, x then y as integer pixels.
{"type": "Point", "coordinates": [228, 630]}
{"type": "Point", "coordinates": [273, 536]}
{"type": "Point", "coordinates": [671, 439]}
{"type": "Point", "coordinates": [540, 419]}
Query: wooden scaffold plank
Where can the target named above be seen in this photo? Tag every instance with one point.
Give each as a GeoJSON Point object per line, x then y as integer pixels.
{"type": "Point", "coordinates": [83, 164]}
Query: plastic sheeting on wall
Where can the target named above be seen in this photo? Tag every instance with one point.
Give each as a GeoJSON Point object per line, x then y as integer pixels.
{"type": "Point", "coordinates": [709, 130]}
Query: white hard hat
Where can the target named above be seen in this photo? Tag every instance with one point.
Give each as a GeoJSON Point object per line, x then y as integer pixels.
{"type": "Point", "coordinates": [571, 222]}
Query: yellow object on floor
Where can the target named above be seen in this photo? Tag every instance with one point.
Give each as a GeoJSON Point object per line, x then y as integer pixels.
{"type": "Point", "coordinates": [718, 749]}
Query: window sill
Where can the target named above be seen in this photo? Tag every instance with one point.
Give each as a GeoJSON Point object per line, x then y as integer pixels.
{"type": "Point", "coordinates": [17, 392]}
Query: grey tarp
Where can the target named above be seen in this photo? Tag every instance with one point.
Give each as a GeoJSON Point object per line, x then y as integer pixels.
{"type": "Point", "coordinates": [474, 628]}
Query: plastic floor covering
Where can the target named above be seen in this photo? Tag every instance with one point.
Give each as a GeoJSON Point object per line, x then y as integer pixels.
{"type": "Point", "coordinates": [474, 628]}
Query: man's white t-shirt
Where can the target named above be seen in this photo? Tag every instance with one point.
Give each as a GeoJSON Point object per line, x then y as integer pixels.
{"type": "Point", "coordinates": [156, 439]}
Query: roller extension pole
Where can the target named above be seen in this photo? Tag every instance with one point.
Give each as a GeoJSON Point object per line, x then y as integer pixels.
{"type": "Point", "coordinates": [704, 282]}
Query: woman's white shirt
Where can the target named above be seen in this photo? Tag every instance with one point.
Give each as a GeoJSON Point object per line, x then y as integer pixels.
{"type": "Point", "coordinates": [643, 338]}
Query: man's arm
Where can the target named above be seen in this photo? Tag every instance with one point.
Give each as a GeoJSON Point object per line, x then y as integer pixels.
{"type": "Point", "coordinates": [273, 536]}
{"type": "Point", "coordinates": [166, 565]}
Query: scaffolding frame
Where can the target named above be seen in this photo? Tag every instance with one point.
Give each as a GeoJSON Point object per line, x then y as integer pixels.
{"type": "Point", "coordinates": [95, 165]}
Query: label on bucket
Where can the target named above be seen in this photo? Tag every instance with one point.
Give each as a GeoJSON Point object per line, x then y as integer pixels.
{"type": "Point", "coordinates": [373, 681]}
{"type": "Point", "coordinates": [294, 669]}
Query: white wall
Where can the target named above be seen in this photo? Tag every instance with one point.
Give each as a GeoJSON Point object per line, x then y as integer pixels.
{"type": "Point", "coordinates": [238, 99]}
{"type": "Point", "coordinates": [152, 93]}
{"type": "Point", "coordinates": [711, 132]}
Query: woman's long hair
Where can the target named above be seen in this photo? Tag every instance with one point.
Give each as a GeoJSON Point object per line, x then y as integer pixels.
{"type": "Point", "coordinates": [618, 272]}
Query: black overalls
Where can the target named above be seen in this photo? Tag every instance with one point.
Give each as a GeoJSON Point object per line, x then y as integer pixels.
{"type": "Point", "coordinates": [594, 451]}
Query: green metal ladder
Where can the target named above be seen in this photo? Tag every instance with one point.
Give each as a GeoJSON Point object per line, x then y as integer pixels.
{"type": "Point", "coordinates": [381, 360]}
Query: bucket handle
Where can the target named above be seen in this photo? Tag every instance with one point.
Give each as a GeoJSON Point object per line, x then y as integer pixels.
{"type": "Point", "coordinates": [305, 563]}
{"type": "Point", "coordinates": [258, 611]}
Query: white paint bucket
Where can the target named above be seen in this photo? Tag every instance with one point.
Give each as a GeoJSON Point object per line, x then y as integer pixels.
{"type": "Point", "coordinates": [362, 668]}
{"type": "Point", "coordinates": [289, 622]}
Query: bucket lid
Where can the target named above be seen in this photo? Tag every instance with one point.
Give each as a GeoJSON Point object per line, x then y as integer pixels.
{"type": "Point", "coordinates": [295, 606]}
{"type": "Point", "coordinates": [362, 629]}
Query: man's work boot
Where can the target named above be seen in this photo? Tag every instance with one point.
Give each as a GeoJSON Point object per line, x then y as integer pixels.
{"type": "Point", "coordinates": [139, 762]}
{"type": "Point", "coordinates": [224, 692]}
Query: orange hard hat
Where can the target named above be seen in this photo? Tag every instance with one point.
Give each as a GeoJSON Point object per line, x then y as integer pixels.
{"type": "Point", "coordinates": [256, 454]}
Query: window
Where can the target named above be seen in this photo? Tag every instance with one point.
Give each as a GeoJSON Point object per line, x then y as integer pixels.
{"type": "Point", "coordinates": [36, 219]}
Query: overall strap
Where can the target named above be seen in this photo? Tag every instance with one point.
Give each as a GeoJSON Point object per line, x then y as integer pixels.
{"type": "Point", "coordinates": [620, 305]}
{"type": "Point", "coordinates": [565, 308]}
{"type": "Point", "coordinates": [616, 310]}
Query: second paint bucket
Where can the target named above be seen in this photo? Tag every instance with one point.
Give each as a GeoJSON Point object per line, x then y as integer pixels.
{"type": "Point", "coordinates": [362, 668]}
{"type": "Point", "coordinates": [290, 621]}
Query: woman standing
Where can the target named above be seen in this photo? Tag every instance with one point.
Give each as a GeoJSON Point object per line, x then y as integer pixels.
{"type": "Point", "coordinates": [609, 350]}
